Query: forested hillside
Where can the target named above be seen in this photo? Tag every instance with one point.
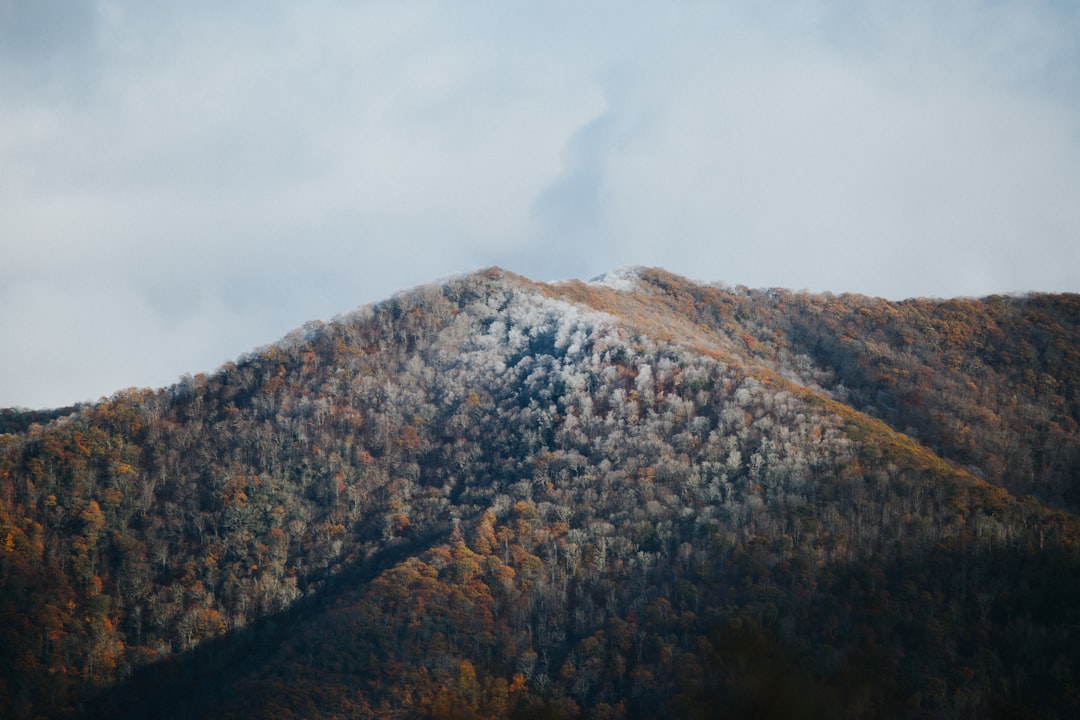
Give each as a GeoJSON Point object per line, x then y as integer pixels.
{"type": "Point", "coordinates": [638, 497]}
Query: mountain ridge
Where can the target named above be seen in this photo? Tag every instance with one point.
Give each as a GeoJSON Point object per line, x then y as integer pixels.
{"type": "Point", "coordinates": [582, 486]}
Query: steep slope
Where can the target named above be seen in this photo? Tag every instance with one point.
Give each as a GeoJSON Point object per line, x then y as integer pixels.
{"type": "Point", "coordinates": [493, 498]}
{"type": "Point", "coordinates": [989, 384]}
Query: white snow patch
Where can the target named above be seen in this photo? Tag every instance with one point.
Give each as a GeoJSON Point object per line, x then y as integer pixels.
{"type": "Point", "coordinates": [621, 278]}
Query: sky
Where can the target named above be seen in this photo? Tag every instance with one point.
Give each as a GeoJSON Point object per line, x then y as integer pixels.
{"type": "Point", "coordinates": [181, 183]}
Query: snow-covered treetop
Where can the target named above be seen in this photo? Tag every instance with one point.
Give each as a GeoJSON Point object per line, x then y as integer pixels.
{"type": "Point", "coordinates": [625, 277]}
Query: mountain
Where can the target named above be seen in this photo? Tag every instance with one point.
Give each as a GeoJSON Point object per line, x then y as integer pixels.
{"type": "Point", "coordinates": [634, 497]}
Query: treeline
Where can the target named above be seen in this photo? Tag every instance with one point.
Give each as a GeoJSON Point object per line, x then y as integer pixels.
{"type": "Point", "coordinates": [17, 420]}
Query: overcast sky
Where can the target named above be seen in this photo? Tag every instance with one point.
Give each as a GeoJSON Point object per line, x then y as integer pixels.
{"type": "Point", "coordinates": [181, 182]}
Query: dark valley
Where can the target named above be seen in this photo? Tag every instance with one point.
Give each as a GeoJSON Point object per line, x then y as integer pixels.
{"type": "Point", "coordinates": [632, 498]}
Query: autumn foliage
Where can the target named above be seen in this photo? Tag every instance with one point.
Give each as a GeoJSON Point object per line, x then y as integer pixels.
{"type": "Point", "coordinates": [494, 498]}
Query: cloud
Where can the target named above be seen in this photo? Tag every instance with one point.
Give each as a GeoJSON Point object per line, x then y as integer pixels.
{"type": "Point", "coordinates": [226, 171]}
{"type": "Point", "coordinates": [786, 154]}
{"type": "Point", "coordinates": [102, 339]}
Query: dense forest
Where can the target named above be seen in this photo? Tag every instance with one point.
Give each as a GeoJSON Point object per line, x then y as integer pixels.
{"type": "Point", "coordinates": [631, 498]}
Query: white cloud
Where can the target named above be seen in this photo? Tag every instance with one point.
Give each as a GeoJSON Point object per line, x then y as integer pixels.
{"type": "Point", "coordinates": [99, 339]}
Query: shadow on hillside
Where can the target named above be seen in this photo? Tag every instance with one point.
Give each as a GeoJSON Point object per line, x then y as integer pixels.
{"type": "Point", "coordinates": [935, 635]}
{"type": "Point", "coordinates": [190, 684]}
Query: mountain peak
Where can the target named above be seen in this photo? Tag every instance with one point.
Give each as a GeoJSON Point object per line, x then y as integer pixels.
{"type": "Point", "coordinates": [637, 496]}
{"type": "Point", "coordinates": [624, 277]}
